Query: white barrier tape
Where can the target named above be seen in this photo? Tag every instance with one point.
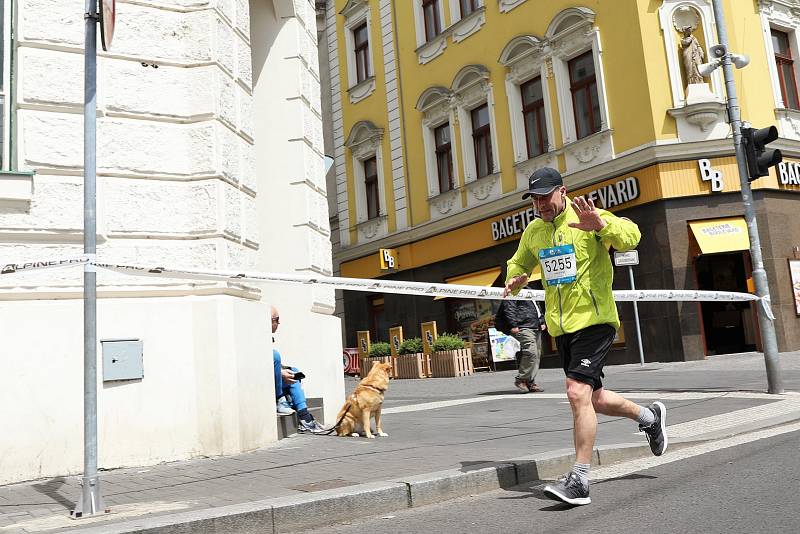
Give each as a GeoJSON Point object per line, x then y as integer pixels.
{"type": "Point", "coordinates": [90, 266]}
{"type": "Point", "coordinates": [418, 288]}
{"type": "Point", "coordinates": [12, 268]}
{"type": "Point", "coordinates": [766, 304]}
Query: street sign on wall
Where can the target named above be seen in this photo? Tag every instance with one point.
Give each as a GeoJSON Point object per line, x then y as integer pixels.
{"type": "Point", "coordinates": [630, 257]}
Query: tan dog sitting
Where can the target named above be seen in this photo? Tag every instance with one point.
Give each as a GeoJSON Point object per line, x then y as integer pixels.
{"type": "Point", "coordinates": [365, 402]}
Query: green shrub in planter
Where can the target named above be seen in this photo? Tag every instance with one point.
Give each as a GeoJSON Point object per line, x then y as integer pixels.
{"type": "Point", "coordinates": [411, 346]}
{"type": "Point", "coordinates": [380, 349]}
{"type": "Point", "coordinates": [448, 342]}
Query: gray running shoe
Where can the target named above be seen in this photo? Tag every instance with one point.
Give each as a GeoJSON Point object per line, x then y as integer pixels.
{"type": "Point", "coordinates": [569, 490]}
{"type": "Point", "coordinates": [283, 407]}
{"type": "Point", "coordinates": [656, 433]}
{"type": "Point", "coordinates": [312, 427]}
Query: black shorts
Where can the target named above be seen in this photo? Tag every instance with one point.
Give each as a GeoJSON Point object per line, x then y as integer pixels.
{"type": "Point", "coordinates": [583, 353]}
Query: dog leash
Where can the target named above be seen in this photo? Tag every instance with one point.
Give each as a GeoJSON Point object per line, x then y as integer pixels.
{"type": "Point", "coordinates": [334, 427]}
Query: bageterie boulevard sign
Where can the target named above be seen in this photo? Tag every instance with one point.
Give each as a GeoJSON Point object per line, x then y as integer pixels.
{"type": "Point", "coordinates": [605, 197]}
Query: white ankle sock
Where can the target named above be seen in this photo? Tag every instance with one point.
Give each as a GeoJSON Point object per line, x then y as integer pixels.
{"type": "Point", "coordinates": [582, 470]}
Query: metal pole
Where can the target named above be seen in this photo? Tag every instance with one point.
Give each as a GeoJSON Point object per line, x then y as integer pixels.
{"type": "Point", "coordinates": [90, 501]}
{"type": "Point", "coordinates": [768, 340]}
{"type": "Point", "coordinates": [636, 317]}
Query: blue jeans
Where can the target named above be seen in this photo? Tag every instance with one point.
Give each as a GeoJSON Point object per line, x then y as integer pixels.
{"type": "Point", "coordinates": [293, 392]}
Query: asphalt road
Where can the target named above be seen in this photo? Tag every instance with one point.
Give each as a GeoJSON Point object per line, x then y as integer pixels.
{"type": "Point", "coordinates": [753, 487]}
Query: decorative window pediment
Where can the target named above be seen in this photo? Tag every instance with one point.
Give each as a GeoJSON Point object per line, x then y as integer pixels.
{"type": "Point", "coordinates": [353, 8]}
{"type": "Point", "coordinates": [471, 85]}
{"type": "Point", "coordinates": [523, 56]}
{"type": "Point", "coordinates": [571, 31]}
{"type": "Point", "coordinates": [435, 105]}
{"type": "Point", "coordinates": [364, 139]}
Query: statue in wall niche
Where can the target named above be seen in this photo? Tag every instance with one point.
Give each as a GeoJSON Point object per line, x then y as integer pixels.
{"type": "Point", "coordinates": [686, 21]}
{"type": "Point", "coordinates": [692, 56]}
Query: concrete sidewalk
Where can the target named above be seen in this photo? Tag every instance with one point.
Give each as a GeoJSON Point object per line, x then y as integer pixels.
{"type": "Point", "coordinates": [448, 438]}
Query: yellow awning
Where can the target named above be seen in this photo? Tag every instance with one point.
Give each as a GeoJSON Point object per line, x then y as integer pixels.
{"type": "Point", "coordinates": [484, 278]}
{"type": "Point", "coordinates": [721, 235]}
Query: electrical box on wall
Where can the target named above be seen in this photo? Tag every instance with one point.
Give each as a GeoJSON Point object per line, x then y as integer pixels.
{"type": "Point", "coordinates": [122, 359]}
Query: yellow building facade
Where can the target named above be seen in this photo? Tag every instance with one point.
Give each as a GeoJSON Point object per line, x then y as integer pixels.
{"type": "Point", "coordinates": [443, 108]}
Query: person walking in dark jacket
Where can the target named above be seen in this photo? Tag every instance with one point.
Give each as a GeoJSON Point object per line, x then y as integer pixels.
{"type": "Point", "coordinates": [525, 322]}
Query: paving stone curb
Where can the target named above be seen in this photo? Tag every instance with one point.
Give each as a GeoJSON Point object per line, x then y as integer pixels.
{"type": "Point", "coordinates": [300, 512]}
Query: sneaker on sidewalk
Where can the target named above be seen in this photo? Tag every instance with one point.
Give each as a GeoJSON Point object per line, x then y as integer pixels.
{"type": "Point", "coordinates": [283, 407]}
{"type": "Point", "coordinates": [535, 388]}
{"type": "Point", "coordinates": [521, 385]}
{"type": "Point", "coordinates": [569, 490]}
{"type": "Point", "coordinates": [656, 433]}
{"type": "Point", "coordinates": [312, 426]}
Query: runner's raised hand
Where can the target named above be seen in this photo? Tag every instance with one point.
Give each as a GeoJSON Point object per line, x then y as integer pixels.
{"type": "Point", "coordinates": [589, 217]}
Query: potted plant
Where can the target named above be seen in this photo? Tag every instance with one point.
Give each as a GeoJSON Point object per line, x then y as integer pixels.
{"type": "Point", "coordinates": [410, 362]}
{"type": "Point", "coordinates": [450, 357]}
{"type": "Point", "coordinates": [380, 351]}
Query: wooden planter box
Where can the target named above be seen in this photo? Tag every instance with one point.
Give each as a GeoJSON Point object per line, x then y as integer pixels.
{"type": "Point", "coordinates": [367, 363]}
{"type": "Point", "coordinates": [411, 366]}
{"type": "Point", "coordinates": [451, 363]}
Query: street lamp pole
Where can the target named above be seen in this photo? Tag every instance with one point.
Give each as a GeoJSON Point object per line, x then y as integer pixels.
{"type": "Point", "coordinates": [768, 340]}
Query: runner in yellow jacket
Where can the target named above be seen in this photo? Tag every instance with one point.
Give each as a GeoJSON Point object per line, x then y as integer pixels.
{"type": "Point", "coordinates": [570, 241]}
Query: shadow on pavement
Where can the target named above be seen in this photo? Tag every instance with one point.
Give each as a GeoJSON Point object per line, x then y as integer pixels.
{"type": "Point", "coordinates": [51, 487]}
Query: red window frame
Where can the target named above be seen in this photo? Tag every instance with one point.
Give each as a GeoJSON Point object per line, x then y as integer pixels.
{"type": "Point", "coordinates": [583, 89]}
{"type": "Point", "coordinates": [361, 51]}
{"type": "Point", "coordinates": [371, 187]}
{"type": "Point", "coordinates": [433, 25]}
{"type": "Point", "coordinates": [444, 159]}
{"type": "Point", "coordinates": [791, 101]}
{"type": "Point", "coordinates": [482, 137]}
{"type": "Point", "coordinates": [534, 108]}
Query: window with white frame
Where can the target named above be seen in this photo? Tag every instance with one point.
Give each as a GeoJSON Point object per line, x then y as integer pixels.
{"type": "Point", "coordinates": [779, 22]}
{"type": "Point", "coordinates": [361, 52]}
{"type": "Point", "coordinates": [576, 56]}
{"type": "Point", "coordinates": [432, 18]}
{"type": "Point", "coordinates": [466, 18]}
{"type": "Point", "coordinates": [482, 140]}
{"type": "Point", "coordinates": [364, 143]}
{"type": "Point", "coordinates": [467, 7]}
{"type": "Point", "coordinates": [533, 117]}
{"type": "Point", "coordinates": [784, 65]}
{"type": "Point", "coordinates": [528, 100]}
{"type": "Point", "coordinates": [583, 86]}
{"type": "Point", "coordinates": [371, 187]}
{"type": "Point", "coordinates": [473, 93]}
{"type": "Point", "coordinates": [360, 78]}
{"type": "Point", "coordinates": [444, 157]}
{"type": "Point", "coordinates": [437, 136]}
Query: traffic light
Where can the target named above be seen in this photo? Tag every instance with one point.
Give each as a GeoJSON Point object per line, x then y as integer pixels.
{"type": "Point", "coordinates": [759, 157]}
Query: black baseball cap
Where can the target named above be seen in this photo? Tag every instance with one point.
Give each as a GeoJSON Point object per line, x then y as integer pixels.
{"type": "Point", "coordinates": [543, 181]}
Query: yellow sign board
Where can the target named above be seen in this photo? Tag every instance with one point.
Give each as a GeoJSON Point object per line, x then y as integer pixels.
{"type": "Point", "coordinates": [388, 259]}
{"type": "Point", "coordinates": [721, 235]}
{"type": "Point", "coordinates": [429, 335]}
{"type": "Point", "coordinates": [395, 338]}
{"type": "Point", "coordinates": [363, 343]}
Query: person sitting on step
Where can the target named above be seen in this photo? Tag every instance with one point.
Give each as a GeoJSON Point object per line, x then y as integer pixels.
{"type": "Point", "coordinates": [289, 391]}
